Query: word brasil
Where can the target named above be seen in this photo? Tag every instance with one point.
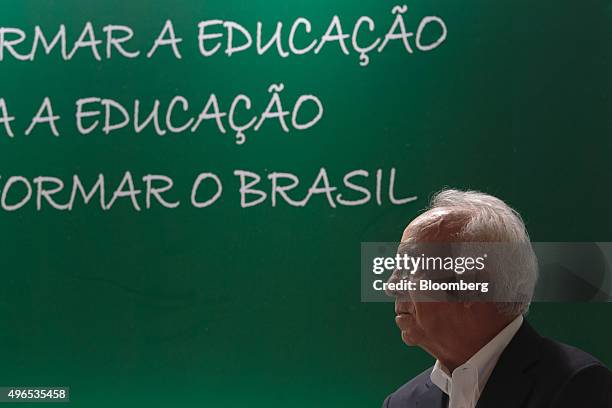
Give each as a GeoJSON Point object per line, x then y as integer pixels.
{"type": "Point", "coordinates": [359, 187]}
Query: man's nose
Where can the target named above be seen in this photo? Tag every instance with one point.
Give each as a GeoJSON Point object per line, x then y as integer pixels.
{"type": "Point", "coordinates": [400, 295]}
{"type": "Point", "coordinates": [395, 278]}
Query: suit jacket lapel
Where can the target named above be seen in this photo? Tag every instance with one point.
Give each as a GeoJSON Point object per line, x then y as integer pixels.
{"type": "Point", "coordinates": [432, 397]}
{"type": "Point", "coordinates": [513, 376]}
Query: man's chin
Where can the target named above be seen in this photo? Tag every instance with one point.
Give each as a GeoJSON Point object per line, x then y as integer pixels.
{"type": "Point", "coordinates": [408, 339]}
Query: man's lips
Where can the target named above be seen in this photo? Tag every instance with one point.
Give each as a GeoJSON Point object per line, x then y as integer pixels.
{"type": "Point", "coordinates": [402, 312]}
{"type": "Point", "coordinates": [404, 320]}
{"type": "Point", "coordinates": [403, 309]}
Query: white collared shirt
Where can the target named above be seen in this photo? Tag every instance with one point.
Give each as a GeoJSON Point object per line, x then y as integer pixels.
{"type": "Point", "coordinates": [468, 380]}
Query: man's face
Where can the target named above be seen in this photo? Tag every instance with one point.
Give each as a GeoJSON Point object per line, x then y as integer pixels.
{"type": "Point", "coordinates": [426, 324]}
{"type": "Point", "coordinates": [421, 323]}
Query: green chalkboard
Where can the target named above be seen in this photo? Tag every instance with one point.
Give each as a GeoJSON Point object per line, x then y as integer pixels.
{"type": "Point", "coordinates": [234, 303]}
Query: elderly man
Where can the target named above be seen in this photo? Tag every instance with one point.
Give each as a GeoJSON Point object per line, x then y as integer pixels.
{"type": "Point", "coordinates": [487, 355]}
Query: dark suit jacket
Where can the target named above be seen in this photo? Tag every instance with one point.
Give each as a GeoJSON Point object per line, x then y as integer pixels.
{"type": "Point", "coordinates": [531, 372]}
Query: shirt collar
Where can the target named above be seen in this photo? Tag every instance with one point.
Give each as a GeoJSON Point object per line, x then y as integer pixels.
{"type": "Point", "coordinates": [480, 365]}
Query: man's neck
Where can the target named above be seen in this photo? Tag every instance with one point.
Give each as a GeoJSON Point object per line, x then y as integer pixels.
{"type": "Point", "coordinates": [462, 348]}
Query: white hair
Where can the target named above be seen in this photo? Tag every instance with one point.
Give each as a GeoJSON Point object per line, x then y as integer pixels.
{"type": "Point", "coordinates": [484, 218]}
